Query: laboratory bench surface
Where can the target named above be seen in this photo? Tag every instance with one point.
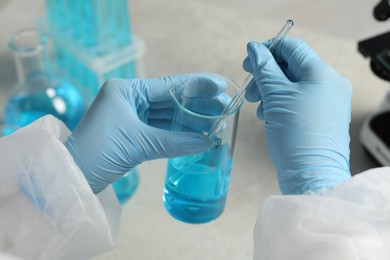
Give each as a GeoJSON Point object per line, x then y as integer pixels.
{"type": "Point", "coordinates": [203, 36]}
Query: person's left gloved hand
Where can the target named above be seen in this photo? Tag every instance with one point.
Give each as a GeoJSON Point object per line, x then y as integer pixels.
{"type": "Point", "coordinates": [128, 124]}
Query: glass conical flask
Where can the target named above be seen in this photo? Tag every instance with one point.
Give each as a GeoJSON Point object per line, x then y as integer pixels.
{"type": "Point", "coordinates": [39, 91]}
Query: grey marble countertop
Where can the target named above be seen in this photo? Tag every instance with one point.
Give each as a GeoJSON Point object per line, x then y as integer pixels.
{"type": "Point", "coordinates": [194, 37]}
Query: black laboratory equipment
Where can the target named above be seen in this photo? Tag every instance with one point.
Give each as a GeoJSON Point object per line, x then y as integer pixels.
{"type": "Point", "coordinates": [375, 133]}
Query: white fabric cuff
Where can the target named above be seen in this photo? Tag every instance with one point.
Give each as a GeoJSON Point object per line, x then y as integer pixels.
{"type": "Point", "coordinates": [47, 209]}
{"type": "Point", "coordinates": [352, 221]}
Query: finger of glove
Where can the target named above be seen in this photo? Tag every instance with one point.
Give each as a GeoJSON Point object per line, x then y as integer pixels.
{"type": "Point", "coordinates": [167, 144]}
{"type": "Point", "coordinates": [260, 111]}
{"type": "Point", "coordinates": [246, 65]}
{"type": "Point", "coordinates": [204, 86]}
{"type": "Point", "coordinates": [162, 105]}
{"type": "Point", "coordinates": [252, 94]}
{"type": "Point", "coordinates": [203, 106]}
{"type": "Point", "coordinates": [162, 118]}
{"type": "Point", "coordinates": [160, 114]}
{"type": "Point", "coordinates": [156, 90]}
{"type": "Point", "coordinates": [298, 55]}
{"type": "Point", "coordinates": [266, 70]}
{"type": "Point", "coordinates": [207, 106]}
{"type": "Point", "coordinates": [187, 123]}
{"type": "Point", "coordinates": [161, 123]}
{"type": "Point", "coordinates": [200, 114]}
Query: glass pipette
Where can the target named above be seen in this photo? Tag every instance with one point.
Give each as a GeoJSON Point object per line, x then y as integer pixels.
{"type": "Point", "coordinates": [235, 102]}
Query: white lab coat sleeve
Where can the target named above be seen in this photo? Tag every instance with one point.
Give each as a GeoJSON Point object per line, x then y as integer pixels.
{"type": "Point", "coordinates": [352, 221]}
{"type": "Point", "coordinates": [47, 209]}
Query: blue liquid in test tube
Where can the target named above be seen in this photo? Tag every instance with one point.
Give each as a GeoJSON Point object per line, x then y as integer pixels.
{"type": "Point", "coordinates": [122, 23]}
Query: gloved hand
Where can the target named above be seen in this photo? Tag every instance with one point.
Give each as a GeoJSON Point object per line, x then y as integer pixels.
{"type": "Point", "coordinates": [306, 106]}
{"type": "Point", "coordinates": [128, 124]}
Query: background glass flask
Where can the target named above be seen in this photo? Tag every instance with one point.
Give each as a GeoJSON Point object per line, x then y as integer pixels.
{"type": "Point", "coordinates": [39, 91]}
{"type": "Point", "coordinates": [7, 130]}
{"type": "Point", "coordinates": [125, 186]}
{"type": "Point", "coordinates": [196, 186]}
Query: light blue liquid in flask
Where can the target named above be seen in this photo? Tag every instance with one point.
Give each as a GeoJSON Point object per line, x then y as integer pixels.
{"type": "Point", "coordinates": [125, 186]}
{"type": "Point", "coordinates": [196, 186]}
{"type": "Point", "coordinates": [39, 90]}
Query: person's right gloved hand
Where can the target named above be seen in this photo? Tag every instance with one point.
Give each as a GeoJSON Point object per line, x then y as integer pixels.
{"type": "Point", "coordinates": [306, 106]}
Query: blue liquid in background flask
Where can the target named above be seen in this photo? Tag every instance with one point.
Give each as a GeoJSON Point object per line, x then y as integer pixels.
{"type": "Point", "coordinates": [7, 130]}
{"type": "Point", "coordinates": [39, 90]}
{"type": "Point", "coordinates": [126, 186]}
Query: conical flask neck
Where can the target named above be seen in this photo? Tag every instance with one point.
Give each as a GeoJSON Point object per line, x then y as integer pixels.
{"type": "Point", "coordinates": [29, 48]}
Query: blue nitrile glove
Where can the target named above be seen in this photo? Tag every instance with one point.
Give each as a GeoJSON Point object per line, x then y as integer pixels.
{"type": "Point", "coordinates": [306, 106]}
{"type": "Point", "coordinates": [128, 123]}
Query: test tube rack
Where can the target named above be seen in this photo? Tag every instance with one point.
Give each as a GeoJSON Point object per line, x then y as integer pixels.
{"type": "Point", "coordinates": [92, 42]}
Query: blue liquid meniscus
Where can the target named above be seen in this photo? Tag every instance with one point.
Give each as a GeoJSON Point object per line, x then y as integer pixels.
{"type": "Point", "coordinates": [196, 186]}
